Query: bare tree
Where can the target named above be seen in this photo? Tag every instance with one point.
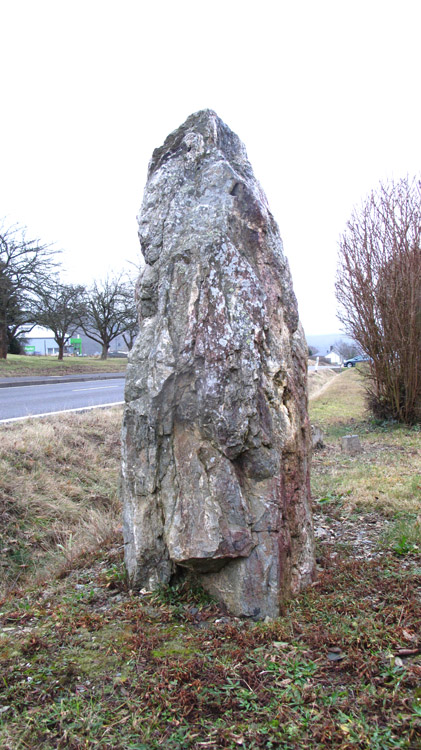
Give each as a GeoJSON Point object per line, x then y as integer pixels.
{"type": "Point", "coordinates": [131, 313]}
{"type": "Point", "coordinates": [378, 288]}
{"type": "Point", "coordinates": [346, 349]}
{"type": "Point", "coordinates": [108, 311]}
{"type": "Point", "coordinates": [60, 307]}
{"type": "Point", "coordinates": [25, 268]}
{"type": "Point", "coordinates": [16, 327]}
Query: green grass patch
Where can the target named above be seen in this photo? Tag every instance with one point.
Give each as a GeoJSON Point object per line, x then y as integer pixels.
{"type": "Point", "coordinates": [385, 475]}
{"type": "Point", "coordinates": [340, 404]}
{"type": "Point", "coordinates": [403, 537]}
{"type": "Point", "coordinates": [23, 366]}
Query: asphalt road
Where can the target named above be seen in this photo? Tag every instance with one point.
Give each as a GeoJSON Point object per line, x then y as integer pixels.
{"type": "Point", "coordinates": [19, 402]}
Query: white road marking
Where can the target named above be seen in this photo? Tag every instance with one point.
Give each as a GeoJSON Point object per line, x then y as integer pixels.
{"type": "Point", "coordinates": [64, 411]}
{"type": "Point", "coordinates": [95, 388]}
{"type": "Point", "coordinates": [48, 385]}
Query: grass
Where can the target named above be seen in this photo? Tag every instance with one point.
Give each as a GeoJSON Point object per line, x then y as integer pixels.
{"type": "Point", "coordinates": [58, 490]}
{"type": "Point", "coordinates": [340, 405]}
{"type": "Point", "coordinates": [320, 379]}
{"type": "Point", "coordinates": [21, 366]}
{"type": "Point", "coordinates": [404, 536]}
{"type": "Point", "coordinates": [87, 663]}
{"type": "Point", "coordinates": [385, 477]}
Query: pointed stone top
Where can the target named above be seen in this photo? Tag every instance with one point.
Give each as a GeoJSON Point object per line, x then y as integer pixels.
{"type": "Point", "coordinates": [206, 132]}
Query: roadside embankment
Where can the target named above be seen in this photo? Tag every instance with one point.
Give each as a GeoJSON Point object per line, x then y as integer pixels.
{"type": "Point", "coordinates": [320, 380]}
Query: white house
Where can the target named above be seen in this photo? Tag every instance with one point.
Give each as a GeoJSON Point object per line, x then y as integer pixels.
{"type": "Point", "coordinates": [334, 357]}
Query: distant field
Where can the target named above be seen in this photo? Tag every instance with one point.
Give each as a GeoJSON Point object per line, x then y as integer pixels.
{"type": "Point", "coordinates": [21, 366]}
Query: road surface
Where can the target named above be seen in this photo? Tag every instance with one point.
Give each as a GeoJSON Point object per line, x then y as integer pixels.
{"type": "Point", "coordinates": [20, 402]}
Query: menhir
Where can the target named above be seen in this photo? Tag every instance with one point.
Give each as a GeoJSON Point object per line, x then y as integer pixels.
{"type": "Point", "coordinates": [215, 471]}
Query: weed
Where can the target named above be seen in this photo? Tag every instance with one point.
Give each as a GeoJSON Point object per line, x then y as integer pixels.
{"type": "Point", "coordinates": [403, 536]}
{"type": "Point", "coordinates": [183, 591]}
{"type": "Point", "coordinates": [115, 577]}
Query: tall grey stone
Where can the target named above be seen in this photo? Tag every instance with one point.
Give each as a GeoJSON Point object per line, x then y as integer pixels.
{"type": "Point", "coordinates": [215, 469]}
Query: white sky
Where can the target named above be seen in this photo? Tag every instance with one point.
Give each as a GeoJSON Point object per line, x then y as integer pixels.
{"type": "Point", "coordinates": [325, 95]}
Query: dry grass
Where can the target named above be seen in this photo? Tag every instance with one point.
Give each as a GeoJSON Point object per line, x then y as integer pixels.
{"type": "Point", "coordinates": [341, 403]}
{"type": "Point", "coordinates": [320, 380]}
{"type": "Point", "coordinates": [58, 489]}
{"type": "Point", "coordinates": [20, 366]}
{"type": "Point", "coordinates": [87, 663]}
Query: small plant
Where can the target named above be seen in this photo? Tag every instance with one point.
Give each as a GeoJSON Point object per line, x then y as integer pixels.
{"type": "Point", "coordinates": [404, 546]}
{"type": "Point", "coordinates": [404, 536]}
{"type": "Point", "coordinates": [183, 591]}
{"type": "Point", "coordinates": [115, 577]}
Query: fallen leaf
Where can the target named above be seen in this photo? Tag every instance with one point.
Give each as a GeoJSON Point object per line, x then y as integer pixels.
{"type": "Point", "coordinates": [334, 656]}
{"type": "Point", "coordinates": [408, 635]}
{"type": "Point", "coordinates": [345, 728]}
{"type": "Point", "coordinates": [408, 651]}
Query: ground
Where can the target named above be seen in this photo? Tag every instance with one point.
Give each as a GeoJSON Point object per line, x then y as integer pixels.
{"type": "Point", "coordinates": [87, 663]}
{"type": "Point", "coordinates": [18, 366]}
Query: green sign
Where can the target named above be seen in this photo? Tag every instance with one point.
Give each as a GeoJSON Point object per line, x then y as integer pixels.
{"type": "Point", "coordinates": [29, 349]}
{"type": "Point", "coordinates": [77, 344]}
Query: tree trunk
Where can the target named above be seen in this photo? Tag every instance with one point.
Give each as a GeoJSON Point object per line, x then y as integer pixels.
{"type": "Point", "coordinates": [129, 341]}
{"type": "Point", "coordinates": [104, 353]}
{"type": "Point", "coordinates": [4, 342]}
{"type": "Point", "coordinates": [60, 351]}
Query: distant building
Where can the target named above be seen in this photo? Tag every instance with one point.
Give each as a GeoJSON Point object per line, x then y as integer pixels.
{"type": "Point", "coordinates": [334, 357]}
{"type": "Point", "coordinates": [40, 345]}
{"type": "Point", "coordinates": [41, 341]}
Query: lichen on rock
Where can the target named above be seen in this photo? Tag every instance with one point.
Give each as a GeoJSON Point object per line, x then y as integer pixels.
{"type": "Point", "coordinates": [215, 469]}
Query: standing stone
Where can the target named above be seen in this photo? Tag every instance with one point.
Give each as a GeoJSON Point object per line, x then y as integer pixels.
{"type": "Point", "coordinates": [351, 444]}
{"type": "Point", "coordinates": [317, 437]}
{"type": "Point", "coordinates": [215, 470]}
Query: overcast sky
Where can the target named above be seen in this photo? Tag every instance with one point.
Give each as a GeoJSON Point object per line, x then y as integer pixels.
{"type": "Point", "coordinates": [325, 95]}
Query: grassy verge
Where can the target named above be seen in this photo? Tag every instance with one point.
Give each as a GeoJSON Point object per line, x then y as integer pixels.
{"type": "Point", "coordinates": [58, 490]}
{"type": "Point", "coordinates": [320, 380]}
{"type": "Point", "coordinates": [339, 405]}
{"type": "Point", "coordinates": [385, 477]}
{"type": "Point", "coordinates": [86, 663]}
{"type": "Point", "coordinates": [20, 366]}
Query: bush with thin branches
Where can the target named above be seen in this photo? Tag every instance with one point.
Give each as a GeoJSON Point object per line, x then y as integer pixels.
{"type": "Point", "coordinates": [378, 288]}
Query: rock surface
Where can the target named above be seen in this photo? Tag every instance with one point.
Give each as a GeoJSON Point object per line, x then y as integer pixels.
{"type": "Point", "coordinates": [215, 469]}
{"type": "Point", "coordinates": [317, 437]}
{"type": "Point", "coordinates": [351, 444]}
